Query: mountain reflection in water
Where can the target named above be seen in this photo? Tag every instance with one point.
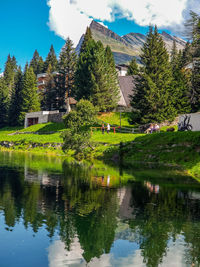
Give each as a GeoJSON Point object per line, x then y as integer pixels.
{"type": "Point", "coordinates": [60, 213]}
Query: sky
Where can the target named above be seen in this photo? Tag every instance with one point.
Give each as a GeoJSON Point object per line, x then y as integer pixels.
{"type": "Point", "coordinates": [27, 25]}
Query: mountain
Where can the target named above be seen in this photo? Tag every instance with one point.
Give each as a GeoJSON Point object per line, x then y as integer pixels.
{"type": "Point", "coordinates": [129, 45]}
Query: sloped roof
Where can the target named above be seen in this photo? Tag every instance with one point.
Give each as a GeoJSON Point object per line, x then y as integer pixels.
{"type": "Point", "coordinates": [126, 84]}
{"type": "Point", "coordinates": [72, 101]}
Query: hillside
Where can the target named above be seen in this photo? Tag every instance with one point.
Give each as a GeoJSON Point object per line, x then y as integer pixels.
{"type": "Point", "coordinates": [127, 46]}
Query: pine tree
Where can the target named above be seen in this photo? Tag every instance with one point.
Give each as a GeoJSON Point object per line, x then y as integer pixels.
{"type": "Point", "coordinates": [49, 96]}
{"type": "Point", "coordinates": [133, 68]}
{"type": "Point", "coordinates": [96, 77]}
{"type": "Point", "coordinates": [194, 30]}
{"type": "Point", "coordinates": [180, 83]}
{"type": "Point", "coordinates": [87, 38]}
{"type": "Point", "coordinates": [51, 59]}
{"type": "Point", "coordinates": [66, 69]}
{"type": "Point", "coordinates": [83, 76]}
{"type": "Point", "coordinates": [29, 95]}
{"type": "Point", "coordinates": [9, 73]}
{"type": "Point", "coordinates": [153, 97]}
{"type": "Point", "coordinates": [37, 63]}
{"type": "Point", "coordinates": [112, 96]}
{"type": "Point", "coordinates": [16, 99]}
{"type": "Point", "coordinates": [186, 55]}
{"type": "Point", "coordinates": [4, 102]}
{"type": "Point", "coordinates": [195, 86]}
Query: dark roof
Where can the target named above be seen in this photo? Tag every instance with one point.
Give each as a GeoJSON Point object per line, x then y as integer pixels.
{"type": "Point", "coordinates": [126, 84]}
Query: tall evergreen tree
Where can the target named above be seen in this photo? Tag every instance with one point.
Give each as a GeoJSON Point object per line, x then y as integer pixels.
{"type": "Point", "coordinates": [193, 27]}
{"type": "Point", "coordinates": [83, 76]}
{"type": "Point", "coordinates": [96, 77]}
{"type": "Point", "coordinates": [87, 38]}
{"type": "Point", "coordinates": [29, 95]}
{"type": "Point", "coordinates": [50, 93]}
{"type": "Point", "coordinates": [180, 83]}
{"type": "Point", "coordinates": [37, 63]}
{"type": "Point", "coordinates": [9, 73]}
{"type": "Point", "coordinates": [51, 59]}
{"type": "Point", "coordinates": [4, 102]}
{"type": "Point", "coordinates": [112, 95]}
{"type": "Point", "coordinates": [153, 99]}
{"type": "Point", "coordinates": [66, 69]}
{"type": "Point", "coordinates": [16, 99]}
{"type": "Point", "coordinates": [186, 55]}
{"type": "Point", "coordinates": [133, 68]}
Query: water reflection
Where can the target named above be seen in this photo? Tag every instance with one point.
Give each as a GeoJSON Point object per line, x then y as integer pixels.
{"type": "Point", "coordinates": [72, 214]}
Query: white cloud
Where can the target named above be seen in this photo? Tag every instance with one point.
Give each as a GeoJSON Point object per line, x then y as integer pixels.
{"type": "Point", "coordinates": [69, 18]}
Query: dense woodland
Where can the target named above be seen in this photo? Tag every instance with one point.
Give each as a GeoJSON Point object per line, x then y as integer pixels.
{"type": "Point", "coordinates": [165, 86]}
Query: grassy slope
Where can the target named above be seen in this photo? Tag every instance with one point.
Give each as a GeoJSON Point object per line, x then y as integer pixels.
{"type": "Point", "coordinates": [178, 148]}
{"type": "Point", "coordinates": [182, 148]}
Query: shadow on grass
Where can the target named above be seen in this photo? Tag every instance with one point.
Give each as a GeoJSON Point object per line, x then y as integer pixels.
{"type": "Point", "coordinates": [51, 128]}
{"type": "Point", "coordinates": [176, 149]}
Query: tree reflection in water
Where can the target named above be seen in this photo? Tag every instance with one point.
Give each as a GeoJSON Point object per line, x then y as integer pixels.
{"type": "Point", "coordinates": [80, 203]}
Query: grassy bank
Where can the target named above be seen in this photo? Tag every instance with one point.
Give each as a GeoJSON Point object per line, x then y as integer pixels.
{"type": "Point", "coordinates": [172, 148]}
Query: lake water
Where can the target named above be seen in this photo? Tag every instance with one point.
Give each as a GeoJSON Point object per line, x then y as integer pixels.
{"type": "Point", "coordinates": [58, 213]}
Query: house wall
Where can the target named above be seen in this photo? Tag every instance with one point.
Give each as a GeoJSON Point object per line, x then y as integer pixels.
{"type": "Point", "coordinates": [43, 116]}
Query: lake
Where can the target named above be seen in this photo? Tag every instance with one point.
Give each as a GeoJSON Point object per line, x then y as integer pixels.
{"type": "Point", "coordinates": [55, 212]}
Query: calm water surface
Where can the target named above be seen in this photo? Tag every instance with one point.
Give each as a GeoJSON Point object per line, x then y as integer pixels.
{"type": "Point", "coordinates": [58, 213]}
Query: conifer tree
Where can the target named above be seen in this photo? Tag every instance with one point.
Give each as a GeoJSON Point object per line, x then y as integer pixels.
{"type": "Point", "coordinates": [4, 102]}
{"type": "Point", "coordinates": [180, 83]}
{"type": "Point", "coordinates": [186, 55]}
{"type": "Point", "coordinates": [9, 73]}
{"type": "Point", "coordinates": [16, 99]}
{"type": "Point", "coordinates": [51, 59]}
{"type": "Point", "coordinates": [66, 69]}
{"type": "Point", "coordinates": [37, 63]}
{"type": "Point", "coordinates": [194, 30]}
{"type": "Point", "coordinates": [133, 68]}
{"type": "Point", "coordinates": [50, 92]}
{"type": "Point", "coordinates": [30, 99]}
{"type": "Point", "coordinates": [96, 77]}
{"type": "Point", "coordinates": [87, 38]}
{"type": "Point", "coordinates": [112, 96]}
{"type": "Point", "coordinates": [83, 76]}
{"type": "Point", "coordinates": [153, 97]}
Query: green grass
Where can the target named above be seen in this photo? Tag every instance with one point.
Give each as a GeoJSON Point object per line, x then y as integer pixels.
{"type": "Point", "coordinates": [113, 118]}
{"type": "Point", "coordinates": [112, 138]}
{"type": "Point", "coordinates": [45, 127]}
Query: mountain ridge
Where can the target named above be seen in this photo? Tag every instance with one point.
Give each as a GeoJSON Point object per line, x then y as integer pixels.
{"type": "Point", "coordinates": [129, 45]}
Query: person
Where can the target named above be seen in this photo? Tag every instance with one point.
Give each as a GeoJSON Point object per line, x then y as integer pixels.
{"type": "Point", "coordinates": [102, 128]}
{"type": "Point", "coordinates": [156, 128]}
{"type": "Point", "coordinates": [108, 128]}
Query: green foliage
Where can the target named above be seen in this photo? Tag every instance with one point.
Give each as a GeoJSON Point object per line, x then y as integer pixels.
{"type": "Point", "coordinates": [9, 73]}
{"type": "Point", "coordinates": [133, 68]}
{"type": "Point", "coordinates": [153, 97]}
{"type": "Point", "coordinates": [48, 96]}
{"type": "Point", "coordinates": [4, 102]}
{"type": "Point", "coordinates": [66, 69]}
{"type": "Point", "coordinates": [30, 99]}
{"type": "Point", "coordinates": [180, 83]}
{"type": "Point", "coordinates": [77, 136]}
{"type": "Point", "coordinates": [51, 59]}
{"type": "Point", "coordinates": [16, 99]}
{"type": "Point", "coordinates": [96, 77]}
{"type": "Point", "coordinates": [37, 63]}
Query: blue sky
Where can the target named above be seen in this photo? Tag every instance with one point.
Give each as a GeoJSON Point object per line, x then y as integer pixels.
{"type": "Point", "coordinates": [27, 25]}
